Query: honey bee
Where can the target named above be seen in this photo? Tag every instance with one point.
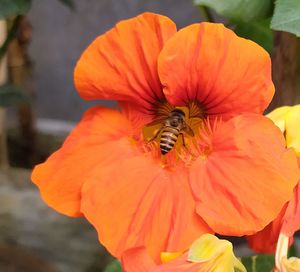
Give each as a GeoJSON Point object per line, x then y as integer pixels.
{"type": "Point", "coordinates": [173, 126]}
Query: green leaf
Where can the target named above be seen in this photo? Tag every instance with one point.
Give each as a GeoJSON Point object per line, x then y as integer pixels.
{"type": "Point", "coordinates": [240, 10]}
{"type": "Point", "coordinates": [258, 31]}
{"type": "Point", "coordinates": [259, 263]}
{"type": "Point", "coordinates": [14, 7]}
{"type": "Point", "coordinates": [114, 266]}
{"type": "Point", "coordinates": [69, 3]}
{"type": "Point", "coordinates": [287, 16]}
{"type": "Point", "coordinates": [11, 95]}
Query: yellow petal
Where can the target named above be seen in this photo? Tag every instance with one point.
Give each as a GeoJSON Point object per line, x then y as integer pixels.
{"type": "Point", "coordinates": [217, 254]}
{"type": "Point", "coordinates": [278, 116]}
{"type": "Point", "coordinates": [166, 257]}
{"type": "Point", "coordinates": [207, 247]}
{"type": "Point", "coordinates": [238, 266]}
{"type": "Point", "coordinates": [292, 128]}
{"type": "Point", "coordinates": [291, 264]}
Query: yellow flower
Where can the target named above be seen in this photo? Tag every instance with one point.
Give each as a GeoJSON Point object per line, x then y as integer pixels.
{"type": "Point", "coordinates": [288, 120]}
{"type": "Point", "coordinates": [217, 254]}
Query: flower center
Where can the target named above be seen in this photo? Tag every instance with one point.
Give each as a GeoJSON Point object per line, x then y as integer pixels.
{"type": "Point", "coordinates": [173, 129]}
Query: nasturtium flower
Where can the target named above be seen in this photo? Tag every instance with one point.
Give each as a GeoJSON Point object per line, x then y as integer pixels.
{"type": "Point", "coordinates": [287, 118]}
{"type": "Point", "coordinates": [231, 175]}
{"type": "Point", "coordinates": [206, 254]}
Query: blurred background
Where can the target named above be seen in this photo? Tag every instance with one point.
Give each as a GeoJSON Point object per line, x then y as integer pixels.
{"type": "Point", "coordinates": [40, 42]}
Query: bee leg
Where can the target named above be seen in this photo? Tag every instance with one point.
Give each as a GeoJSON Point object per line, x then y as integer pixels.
{"type": "Point", "coordinates": [183, 143]}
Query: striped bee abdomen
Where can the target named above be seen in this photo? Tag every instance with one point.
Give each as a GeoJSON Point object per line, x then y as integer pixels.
{"type": "Point", "coordinates": [168, 139]}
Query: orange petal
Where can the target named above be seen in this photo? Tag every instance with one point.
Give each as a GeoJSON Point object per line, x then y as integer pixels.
{"type": "Point", "coordinates": [137, 260]}
{"type": "Point", "coordinates": [246, 179]}
{"type": "Point", "coordinates": [291, 219]}
{"type": "Point", "coordinates": [89, 146]}
{"type": "Point", "coordinates": [122, 63]}
{"type": "Point", "coordinates": [227, 74]}
{"type": "Point", "coordinates": [287, 222]}
{"type": "Point", "coordinates": [141, 204]}
{"type": "Point", "coordinates": [265, 241]}
{"type": "Point", "coordinates": [181, 265]}
{"type": "Point", "coordinates": [137, 118]}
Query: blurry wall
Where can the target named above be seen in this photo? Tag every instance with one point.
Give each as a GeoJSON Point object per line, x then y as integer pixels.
{"type": "Point", "coordinates": [60, 36]}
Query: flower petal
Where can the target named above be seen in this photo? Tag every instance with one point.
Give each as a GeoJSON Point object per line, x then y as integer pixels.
{"type": "Point", "coordinates": [227, 74]}
{"type": "Point", "coordinates": [291, 264]}
{"type": "Point", "coordinates": [137, 260]}
{"type": "Point", "coordinates": [181, 264]}
{"type": "Point", "coordinates": [278, 116]}
{"type": "Point", "coordinates": [89, 146]}
{"type": "Point", "coordinates": [291, 219]}
{"type": "Point", "coordinates": [122, 63]}
{"type": "Point", "coordinates": [292, 128]}
{"type": "Point", "coordinates": [167, 257]}
{"type": "Point", "coordinates": [217, 254]}
{"type": "Point", "coordinates": [207, 254]}
{"type": "Point", "coordinates": [207, 248]}
{"type": "Point", "coordinates": [243, 183]}
{"type": "Point", "coordinates": [141, 204]}
{"type": "Point", "coordinates": [265, 241]}
{"type": "Point", "coordinates": [287, 222]}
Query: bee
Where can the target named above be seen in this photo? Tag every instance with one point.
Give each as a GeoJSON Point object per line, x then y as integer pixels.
{"type": "Point", "coordinates": [173, 126]}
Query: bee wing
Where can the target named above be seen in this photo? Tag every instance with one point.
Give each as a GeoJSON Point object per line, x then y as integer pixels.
{"type": "Point", "coordinates": [188, 129]}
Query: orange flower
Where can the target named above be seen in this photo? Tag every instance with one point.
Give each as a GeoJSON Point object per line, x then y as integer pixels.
{"type": "Point", "coordinates": [231, 176]}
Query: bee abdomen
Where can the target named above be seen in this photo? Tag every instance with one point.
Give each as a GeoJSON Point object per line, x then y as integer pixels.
{"type": "Point", "coordinates": [168, 139]}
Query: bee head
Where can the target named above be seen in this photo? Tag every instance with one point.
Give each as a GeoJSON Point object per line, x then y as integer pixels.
{"type": "Point", "coordinates": [177, 112]}
{"type": "Point", "coordinates": [176, 117]}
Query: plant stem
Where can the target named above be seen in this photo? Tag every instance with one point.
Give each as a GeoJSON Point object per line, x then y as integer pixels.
{"type": "Point", "coordinates": [3, 79]}
{"type": "Point", "coordinates": [286, 69]}
{"type": "Point", "coordinates": [10, 36]}
{"type": "Point", "coordinates": [20, 70]}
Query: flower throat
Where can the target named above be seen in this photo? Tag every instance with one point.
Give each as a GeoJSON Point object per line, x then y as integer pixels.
{"type": "Point", "coordinates": [173, 127]}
